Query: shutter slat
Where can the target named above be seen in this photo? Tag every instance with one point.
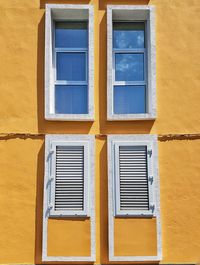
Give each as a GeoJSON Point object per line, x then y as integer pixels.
{"type": "Point", "coordinates": [133, 178]}
{"type": "Point", "coordinates": [69, 182]}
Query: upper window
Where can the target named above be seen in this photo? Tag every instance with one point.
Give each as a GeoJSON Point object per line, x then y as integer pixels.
{"type": "Point", "coordinates": [71, 50]}
{"type": "Point", "coordinates": [69, 62]}
{"type": "Point", "coordinates": [131, 64]}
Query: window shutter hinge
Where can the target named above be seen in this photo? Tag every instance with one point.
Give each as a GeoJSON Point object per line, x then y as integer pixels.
{"type": "Point", "coordinates": [149, 152]}
{"type": "Point", "coordinates": [151, 179]}
{"type": "Point", "coordinates": [50, 154]}
{"type": "Point", "coordinates": [50, 179]}
{"type": "Point", "coordinates": [50, 206]}
{"type": "Point", "coordinates": [152, 207]}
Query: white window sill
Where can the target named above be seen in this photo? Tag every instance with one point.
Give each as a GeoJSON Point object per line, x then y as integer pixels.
{"type": "Point", "coordinates": [69, 117]}
{"type": "Point", "coordinates": [131, 117]}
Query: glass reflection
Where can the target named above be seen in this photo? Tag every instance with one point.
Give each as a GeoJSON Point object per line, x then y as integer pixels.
{"type": "Point", "coordinates": [129, 99]}
{"type": "Point", "coordinates": [71, 99]}
{"type": "Point", "coordinates": [128, 35]}
{"type": "Point", "coordinates": [129, 67]}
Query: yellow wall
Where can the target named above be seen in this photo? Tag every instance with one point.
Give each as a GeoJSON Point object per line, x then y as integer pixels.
{"type": "Point", "coordinates": [22, 110]}
{"type": "Point", "coordinates": [135, 237]}
{"type": "Point", "coordinates": [68, 237]}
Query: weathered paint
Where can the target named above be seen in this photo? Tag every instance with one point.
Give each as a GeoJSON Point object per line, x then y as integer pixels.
{"type": "Point", "coordinates": [22, 110]}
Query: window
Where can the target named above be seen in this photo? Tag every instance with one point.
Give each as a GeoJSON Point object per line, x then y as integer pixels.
{"type": "Point", "coordinates": [69, 174]}
{"type": "Point", "coordinates": [71, 49]}
{"type": "Point", "coordinates": [129, 84]}
{"type": "Point", "coordinates": [131, 63]}
{"type": "Point", "coordinates": [69, 62]}
{"type": "Point", "coordinates": [133, 174]}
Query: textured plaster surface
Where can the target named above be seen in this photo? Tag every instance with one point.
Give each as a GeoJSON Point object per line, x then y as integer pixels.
{"type": "Point", "coordinates": [22, 69]}
{"type": "Point", "coordinates": [22, 179]}
{"type": "Point", "coordinates": [22, 111]}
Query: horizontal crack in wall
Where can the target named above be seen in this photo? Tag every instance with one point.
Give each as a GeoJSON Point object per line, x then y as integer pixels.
{"type": "Point", "coordinates": [8, 136]}
{"type": "Point", "coordinates": [161, 137]}
{"type": "Point", "coordinates": [172, 137]}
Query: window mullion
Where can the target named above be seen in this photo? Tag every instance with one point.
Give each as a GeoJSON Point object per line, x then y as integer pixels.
{"type": "Point", "coordinates": [129, 50]}
{"type": "Point", "coordinates": [71, 49]}
{"type": "Point", "coordinates": [72, 83]}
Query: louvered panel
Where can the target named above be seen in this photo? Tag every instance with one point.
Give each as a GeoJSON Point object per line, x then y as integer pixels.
{"type": "Point", "coordinates": [69, 191]}
{"type": "Point", "coordinates": [133, 178]}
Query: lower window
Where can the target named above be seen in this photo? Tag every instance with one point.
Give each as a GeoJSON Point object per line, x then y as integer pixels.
{"type": "Point", "coordinates": [68, 174]}
{"type": "Point", "coordinates": [132, 159]}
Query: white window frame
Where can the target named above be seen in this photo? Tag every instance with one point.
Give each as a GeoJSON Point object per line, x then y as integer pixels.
{"type": "Point", "coordinates": [132, 13]}
{"type": "Point", "coordinates": [65, 12]}
{"type": "Point", "coordinates": [50, 142]}
{"type": "Point", "coordinates": [137, 138]}
{"type": "Point", "coordinates": [87, 175]}
{"type": "Point", "coordinates": [116, 179]}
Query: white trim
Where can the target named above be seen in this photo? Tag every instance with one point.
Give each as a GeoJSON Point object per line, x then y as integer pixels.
{"type": "Point", "coordinates": [133, 13]}
{"type": "Point", "coordinates": [49, 139]}
{"type": "Point", "coordinates": [69, 12]}
{"type": "Point", "coordinates": [133, 138]}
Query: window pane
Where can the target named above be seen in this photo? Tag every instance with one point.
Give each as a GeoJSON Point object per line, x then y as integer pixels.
{"type": "Point", "coordinates": [129, 67]}
{"type": "Point", "coordinates": [71, 99]}
{"type": "Point", "coordinates": [71, 35]}
{"type": "Point", "coordinates": [129, 99]}
{"type": "Point", "coordinates": [71, 66]}
{"type": "Point", "coordinates": [128, 35]}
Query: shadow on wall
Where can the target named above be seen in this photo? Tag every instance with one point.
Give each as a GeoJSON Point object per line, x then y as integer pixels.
{"type": "Point", "coordinates": [43, 2]}
{"type": "Point", "coordinates": [103, 205]}
{"type": "Point", "coordinates": [104, 3]}
{"type": "Point", "coordinates": [39, 206]}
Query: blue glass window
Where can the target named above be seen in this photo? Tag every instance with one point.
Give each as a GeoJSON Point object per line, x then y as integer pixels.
{"type": "Point", "coordinates": [71, 51]}
{"type": "Point", "coordinates": [71, 35]}
{"type": "Point", "coordinates": [129, 99]}
{"type": "Point", "coordinates": [129, 84]}
{"type": "Point", "coordinates": [71, 66]}
{"type": "Point", "coordinates": [71, 99]}
{"type": "Point", "coordinates": [129, 67]}
{"type": "Point", "coordinates": [128, 35]}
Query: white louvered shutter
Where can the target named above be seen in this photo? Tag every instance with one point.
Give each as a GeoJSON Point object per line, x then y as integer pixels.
{"type": "Point", "coordinates": [133, 186]}
{"type": "Point", "coordinates": [69, 182]}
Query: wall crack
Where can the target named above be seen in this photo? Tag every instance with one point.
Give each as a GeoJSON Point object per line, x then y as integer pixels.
{"type": "Point", "coordinates": [161, 137]}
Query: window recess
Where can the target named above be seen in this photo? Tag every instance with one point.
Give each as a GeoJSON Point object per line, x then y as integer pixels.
{"type": "Point", "coordinates": [130, 63]}
{"type": "Point", "coordinates": [69, 67]}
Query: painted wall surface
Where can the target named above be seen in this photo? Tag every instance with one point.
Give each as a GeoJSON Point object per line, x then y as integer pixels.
{"type": "Point", "coordinates": [135, 237]}
{"type": "Point", "coordinates": [22, 110]}
{"type": "Point", "coordinates": [68, 237]}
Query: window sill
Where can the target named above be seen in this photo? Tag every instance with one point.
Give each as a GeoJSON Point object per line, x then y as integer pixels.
{"type": "Point", "coordinates": [69, 117]}
{"type": "Point", "coordinates": [131, 117]}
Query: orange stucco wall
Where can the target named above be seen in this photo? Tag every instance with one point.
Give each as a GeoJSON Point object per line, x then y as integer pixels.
{"type": "Point", "coordinates": [68, 237]}
{"type": "Point", "coordinates": [135, 237]}
{"type": "Point", "coordinates": [22, 111]}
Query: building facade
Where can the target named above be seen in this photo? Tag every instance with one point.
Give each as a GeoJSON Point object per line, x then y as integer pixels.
{"type": "Point", "coordinates": [99, 132]}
